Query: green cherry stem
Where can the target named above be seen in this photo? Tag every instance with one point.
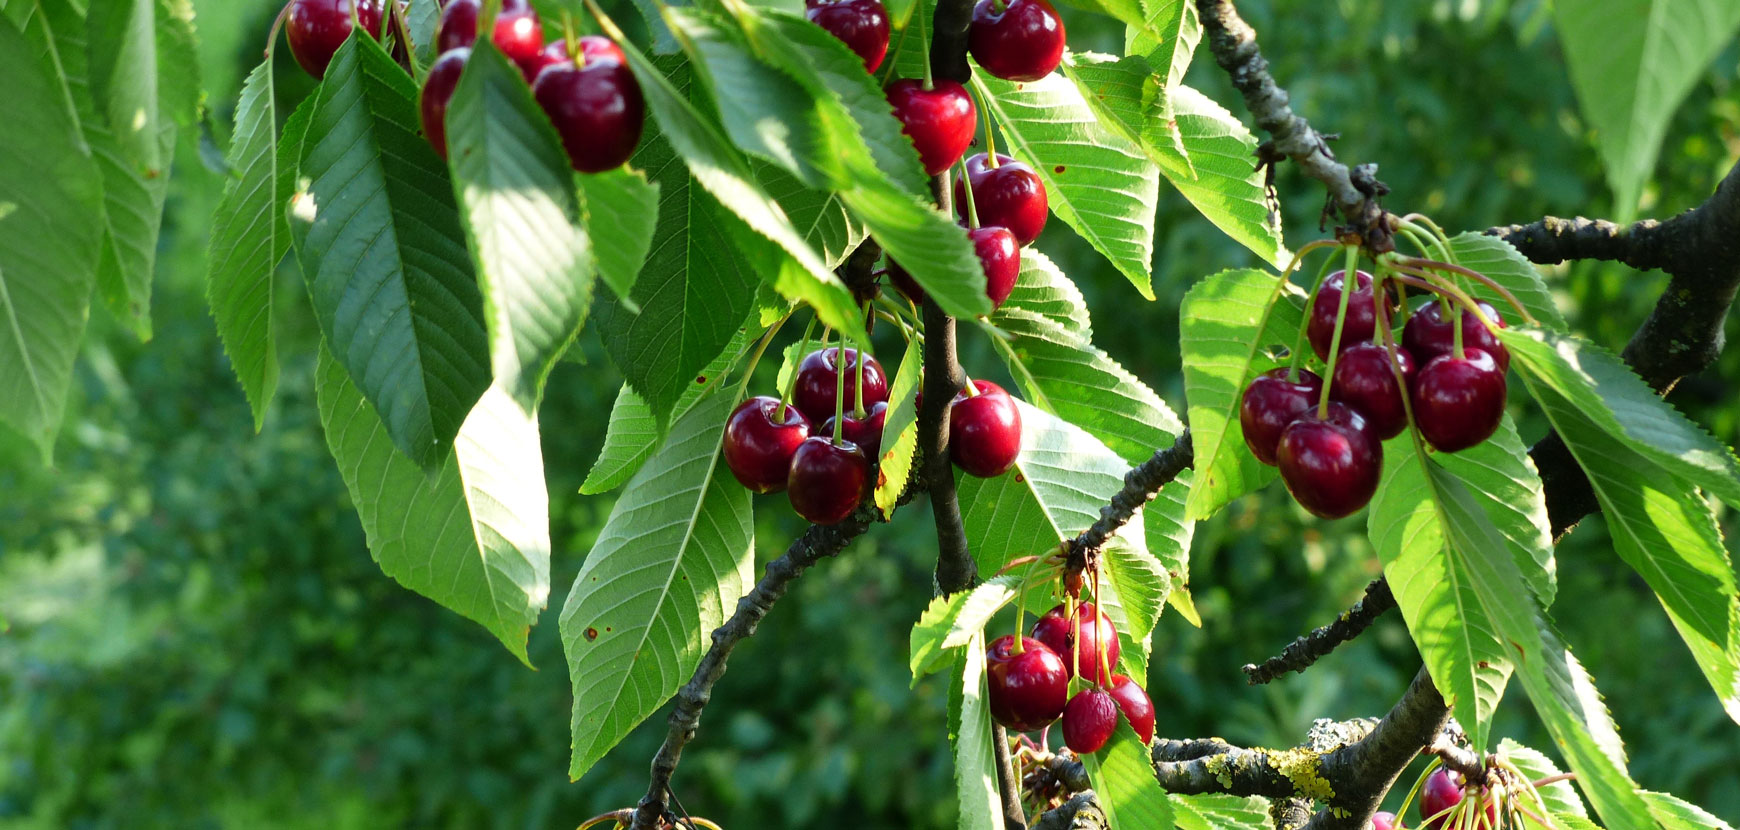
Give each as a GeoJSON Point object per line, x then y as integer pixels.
{"type": "Point", "coordinates": [791, 382]}
{"type": "Point", "coordinates": [760, 349]}
{"type": "Point", "coordinates": [1298, 352]}
{"type": "Point", "coordinates": [990, 144]}
{"type": "Point", "coordinates": [967, 187]}
{"type": "Point", "coordinates": [1449, 291]}
{"type": "Point", "coordinates": [929, 81]}
{"type": "Point", "coordinates": [1349, 275]}
{"type": "Point", "coordinates": [1429, 265]}
{"type": "Point", "coordinates": [858, 389]}
{"type": "Point", "coordinates": [839, 389]}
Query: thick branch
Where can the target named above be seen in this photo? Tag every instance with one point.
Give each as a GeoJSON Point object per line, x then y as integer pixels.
{"type": "Point", "coordinates": [1700, 251]}
{"type": "Point", "coordinates": [1081, 812]}
{"type": "Point", "coordinates": [1303, 652]}
{"type": "Point", "coordinates": [1363, 772]}
{"type": "Point", "coordinates": [1141, 484]}
{"type": "Point", "coordinates": [948, 44]}
{"type": "Point", "coordinates": [1008, 784]}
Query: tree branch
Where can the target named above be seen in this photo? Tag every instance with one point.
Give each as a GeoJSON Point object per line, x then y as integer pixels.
{"type": "Point", "coordinates": [1141, 484]}
{"type": "Point", "coordinates": [1303, 652]}
{"type": "Point", "coordinates": [1080, 812]}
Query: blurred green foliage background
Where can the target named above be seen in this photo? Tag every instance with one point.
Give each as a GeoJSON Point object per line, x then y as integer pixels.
{"type": "Point", "coordinates": [197, 638]}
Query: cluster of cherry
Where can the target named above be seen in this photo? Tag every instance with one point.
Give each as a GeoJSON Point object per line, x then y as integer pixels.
{"type": "Point", "coordinates": [1329, 447]}
{"type": "Point", "coordinates": [583, 84]}
{"type": "Point", "coordinates": [1441, 799]}
{"type": "Point", "coordinates": [1028, 680]}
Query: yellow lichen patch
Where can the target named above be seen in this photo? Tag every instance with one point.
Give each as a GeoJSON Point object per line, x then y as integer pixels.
{"type": "Point", "coordinates": [1217, 767]}
{"type": "Point", "coordinates": [1305, 769]}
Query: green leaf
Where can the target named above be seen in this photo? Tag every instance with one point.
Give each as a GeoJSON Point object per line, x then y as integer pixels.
{"type": "Point", "coordinates": [1619, 403]}
{"type": "Point", "coordinates": [668, 567]}
{"type": "Point", "coordinates": [1219, 812]}
{"type": "Point", "coordinates": [516, 194]}
{"type": "Point", "coordinates": [1666, 533]}
{"type": "Point", "coordinates": [1632, 63]}
{"type": "Point", "coordinates": [1674, 814]}
{"type": "Point", "coordinates": [49, 192]}
{"type": "Point", "coordinates": [1168, 37]}
{"type": "Point", "coordinates": [958, 620]}
{"type": "Point", "coordinates": [1042, 289]}
{"type": "Point", "coordinates": [473, 535]}
{"type": "Point", "coordinates": [1504, 480]}
{"type": "Point", "coordinates": [819, 215]}
{"type": "Point", "coordinates": [625, 202]}
{"type": "Point", "coordinates": [1216, 172]}
{"type": "Point", "coordinates": [379, 240]}
{"type": "Point", "coordinates": [633, 432]}
{"type": "Point", "coordinates": [724, 173]}
{"type": "Point", "coordinates": [981, 807]}
{"type": "Point", "coordinates": [894, 469]}
{"type": "Point", "coordinates": [1169, 538]}
{"type": "Point", "coordinates": [1506, 266]}
{"type": "Point", "coordinates": [1123, 778]}
{"type": "Point", "coordinates": [1427, 559]}
{"type": "Point", "coordinates": [1099, 183]}
{"type": "Point", "coordinates": [1233, 326]}
{"type": "Point", "coordinates": [423, 18]}
{"type": "Point", "coordinates": [1559, 796]}
{"type": "Point", "coordinates": [249, 238]}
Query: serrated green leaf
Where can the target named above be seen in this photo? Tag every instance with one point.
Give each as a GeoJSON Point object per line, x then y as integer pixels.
{"type": "Point", "coordinates": [626, 203]}
{"type": "Point", "coordinates": [981, 807]}
{"type": "Point", "coordinates": [1169, 538]}
{"type": "Point", "coordinates": [1219, 812]}
{"type": "Point", "coordinates": [535, 261]}
{"type": "Point", "coordinates": [1619, 403]}
{"type": "Point", "coordinates": [1123, 778]}
{"type": "Point", "coordinates": [49, 190]}
{"type": "Point", "coordinates": [1217, 171]}
{"type": "Point", "coordinates": [668, 567]}
{"type": "Point", "coordinates": [1506, 266]}
{"type": "Point", "coordinates": [1675, 814]}
{"type": "Point", "coordinates": [1041, 288]}
{"type": "Point", "coordinates": [1667, 534]}
{"type": "Point", "coordinates": [633, 432]}
{"type": "Point", "coordinates": [1168, 37]}
{"type": "Point", "coordinates": [1559, 796]}
{"type": "Point", "coordinates": [1504, 480]}
{"type": "Point", "coordinates": [473, 535]}
{"type": "Point", "coordinates": [820, 216]}
{"type": "Point", "coordinates": [1632, 63]}
{"type": "Point", "coordinates": [894, 469]}
{"type": "Point", "coordinates": [1232, 327]}
{"type": "Point", "coordinates": [957, 620]}
{"type": "Point", "coordinates": [1098, 182]}
{"type": "Point", "coordinates": [423, 18]}
{"type": "Point", "coordinates": [379, 239]}
{"type": "Point", "coordinates": [249, 238]}
{"type": "Point", "coordinates": [1427, 557]}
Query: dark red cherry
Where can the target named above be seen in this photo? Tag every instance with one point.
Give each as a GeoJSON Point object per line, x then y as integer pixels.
{"type": "Point", "coordinates": [940, 121]}
{"type": "Point", "coordinates": [860, 24]}
{"type": "Point", "coordinates": [866, 432]}
{"type": "Point", "coordinates": [1089, 719]}
{"type": "Point", "coordinates": [1021, 40]}
{"type": "Point", "coordinates": [817, 385]}
{"type": "Point", "coordinates": [1057, 630]}
{"type": "Point", "coordinates": [827, 479]}
{"type": "Point", "coordinates": [984, 431]}
{"type": "Point", "coordinates": [1442, 791]}
{"type": "Point", "coordinates": [1137, 708]}
{"type": "Point", "coordinates": [517, 33]}
{"type": "Point", "coordinates": [1459, 403]}
{"type": "Point", "coordinates": [437, 94]}
{"type": "Point", "coordinates": [1386, 821]}
{"type": "Point", "coordinates": [759, 443]}
{"type": "Point", "coordinates": [1361, 317]}
{"type": "Point", "coordinates": [316, 28]}
{"type": "Point", "coordinates": [1365, 380]}
{"type": "Point", "coordinates": [595, 104]}
{"type": "Point", "coordinates": [554, 53]}
{"type": "Point", "coordinates": [1009, 195]}
{"type": "Point", "coordinates": [904, 281]}
{"type": "Point", "coordinates": [1330, 466]}
{"type": "Point", "coordinates": [1428, 334]}
{"type": "Point", "coordinates": [1000, 255]}
{"type": "Point", "coordinates": [1270, 403]}
{"type": "Point", "coordinates": [1026, 691]}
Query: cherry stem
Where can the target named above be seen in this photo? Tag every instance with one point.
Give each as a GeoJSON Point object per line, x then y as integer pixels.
{"type": "Point", "coordinates": [967, 185]}
{"type": "Point", "coordinates": [1298, 353]}
{"type": "Point", "coordinates": [277, 26]}
{"type": "Point", "coordinates": [791, 382]}
{"type": "Point", "coordinates": [1380, 320]}
{"type": "Point", "coordinates": [1105, 667]}
{"type": "Point", "coordinates": [1418, 783]}
{"type": "Point", "coordinates": [1429, 265]}
{"type": "Point", "coordinates": [1449, 290]}
{"type": "Point", "coordinates": [760, 349]}
{"type": "Point", "coordinates": [486, 18]}
{"type": "Point", "coordinates": [858, 391]}
{"type": "Point", "coordinates": [571, 39]}
{"type": "Point", "coordinates": [1415, 220]}
{"type": "Point", "coordinates": [1554, 779]}
{"type": "Point", "coordinates": [1395, 359]}
{"type": "Point", "coordinates": [1349, 284]}
{"type": "Point", "coordinates": [613, 815]}
{"type": "Point", "coordinates": [839, 388]}
{"type": "Point", "coordinates": [1021, 603]}
{"type": "Point", "coordinates": [893, 57]}
{"type": "Point", "coordinates": [1075, 641]}
{"type": "Point", "coordinates": [929, 81]}
{"type": "Point", "coordinates": [1419, 243]}
{"type": "Point", "coordinates": [990, 144]}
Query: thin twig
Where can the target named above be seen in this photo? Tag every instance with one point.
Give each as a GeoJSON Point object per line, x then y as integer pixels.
{"type": "Point", "coordinates": [1303, 652]}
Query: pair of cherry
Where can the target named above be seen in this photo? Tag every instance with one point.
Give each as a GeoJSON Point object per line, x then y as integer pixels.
{"type": "Point", "coordinates": [1009, 200]}
{"type": "Point", "coordinates": [1028, 683]}
{"type": "Point", "coordinates": [1021, 40]}
{"type": "Point", "coordinates": [769, 445]}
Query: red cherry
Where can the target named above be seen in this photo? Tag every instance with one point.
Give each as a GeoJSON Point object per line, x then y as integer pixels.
{"type": "Point", "coordinates": [1089, 719]}
{"type": "Point", "coordinates": [1428, 334]}
{"type": "Point", "coordinates": [438, 93]}
{"type": "Point", "coordinates": [1137, 708]}
{"type": "Point", "coordinates": [316, 28]}
{"type": "Point", "coordinates": [1365, 380]}
{"type": "Point", "coordinates": [1387, 821]}
{"type": "Point", "coordinates": [1459, 403]}
{"type": "Point", "coordinates": [518, 34]}
{"type": "Point", "coordinates": [827, 480]}
{"type": "Point", "coordinates": [984, 431]}
{"type": "Point", "coordinates": [866, 432]}
{"type": "Point", "coordinates": [597, 107]}
{"type": "Point", "coordinates": [1361, 318]}
{"type": "Point", "coordinates": [1026, 691]}
{"type": "Point", "coordinates": [1021, 40]}
{"type": "Point", "coordinates": [1442, 791]}
{"type": "Point", "coordinates": [860, 24]}
{"type": "Point", "coordinates": [555, 52]}
{"type": "Point", "coordinates": [759, 444]}
{"type": "Point", "coordinates": [1270, 403]}
{"type": "Point", "coordinates": [1330, 466]}
{"type": "Point", "coordinates": [940, 121]}
{"type": "Point", "coordinates": [904, 281]}
{"type": "Point", "coordinates": [1057, 631]}
{"type": "Point", "coordinates": [1000, 256]}
{"type": "Point", "coordinates": [817, 384]}
{"type": "Point", "coordinates": [1009, 195]}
